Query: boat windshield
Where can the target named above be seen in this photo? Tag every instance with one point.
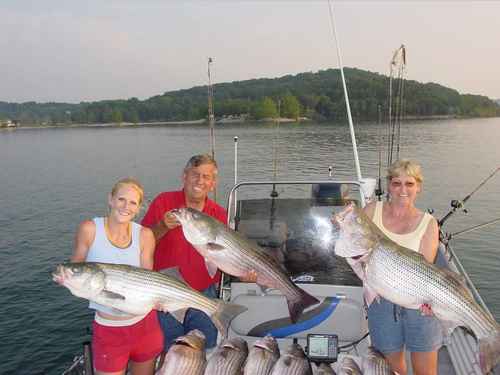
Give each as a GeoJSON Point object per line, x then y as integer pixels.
{"type": "Point", "coordinates": [297, 231]}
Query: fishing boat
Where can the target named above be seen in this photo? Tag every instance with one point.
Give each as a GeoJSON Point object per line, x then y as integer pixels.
{"type": "Point", "coordinates": [291, 220]}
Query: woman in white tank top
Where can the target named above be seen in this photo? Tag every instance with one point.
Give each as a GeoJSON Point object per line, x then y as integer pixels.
{"type": "Point", "coordinates": [408, 226]}
{"type": "Point", "coordinates": [118, 337]}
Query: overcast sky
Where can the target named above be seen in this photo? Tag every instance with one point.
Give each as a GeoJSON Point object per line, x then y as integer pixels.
{"type": "Point", "coordinates": [72, 51]}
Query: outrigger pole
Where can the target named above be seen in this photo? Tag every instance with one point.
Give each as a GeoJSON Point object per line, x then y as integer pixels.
{"type": "Point", "coordinates": [211, 118]}
{"type": "Point", "coordinates": [456, 204]}
{"type": "Point", "coordinates": [346, 96]}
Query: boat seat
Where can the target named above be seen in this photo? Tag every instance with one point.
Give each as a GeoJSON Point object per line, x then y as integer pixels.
{"type": "Point", "coordinates": [268, 314]}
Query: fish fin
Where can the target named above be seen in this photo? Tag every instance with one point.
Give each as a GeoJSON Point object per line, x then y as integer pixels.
{"type": "Point", "coordinates": [489, 351]}
{"type": "Point", "coordinates": [173, 272]}
{"type": "Point", "coordinates": [112, 295]}
{"type": "Point", "coordinates": [224, 314]}
{"type": "Point", "coordinates": [211, 268]}
{"type": "Point", "coordinates": [297, 304]}
{"type": "Point", "coordinates": [212, 246]}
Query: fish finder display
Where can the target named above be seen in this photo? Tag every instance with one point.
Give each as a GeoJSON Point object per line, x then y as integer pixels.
{"type": "Point", "coordinates": [322, 348]}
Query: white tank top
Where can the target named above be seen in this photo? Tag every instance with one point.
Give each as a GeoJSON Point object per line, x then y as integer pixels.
{"type": "Point", "coordinates": [409, 240]}
{"type": "Point", "coordinates": [103, 251]}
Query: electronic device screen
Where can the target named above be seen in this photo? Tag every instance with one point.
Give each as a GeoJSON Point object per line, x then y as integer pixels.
{"type": "Point", "coordinates": [322, 347]}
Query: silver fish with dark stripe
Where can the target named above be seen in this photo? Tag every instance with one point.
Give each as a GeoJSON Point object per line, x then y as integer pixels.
{"type": "Point", "coordinates": [228, 358]}
{"type": "Point", "coordinates": [262, 357]}
{"type": "Point", "coordinates": [186, 356]}
{"type": "Point", "coordinates": [374, 363]}
{"type": "Point", "coordinates": [137, 291]}
{"type": "Point", "coordinates": [293, 362]}
{"type": "Point", "coordinates": [405, 278]}
{"type": "Point", "coordinates": [324, 369]}
{"type": "Point", "coordinates": [237, 256]}
{"type": "Point", "coordinates": [348, 366]}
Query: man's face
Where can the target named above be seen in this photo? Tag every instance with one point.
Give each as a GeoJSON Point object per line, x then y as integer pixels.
{"type": "Point", "coordinates": [199, 181]}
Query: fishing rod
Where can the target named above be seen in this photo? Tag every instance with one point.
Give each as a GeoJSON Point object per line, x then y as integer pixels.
{"type": "Point", "coordinates": [479, 226]}
{"type": "Point", "coordinates": [457, 204]}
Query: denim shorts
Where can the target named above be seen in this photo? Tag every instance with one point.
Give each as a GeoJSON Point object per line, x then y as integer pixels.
{"type": "Point", "coordinates": [394, 328]}
{"type": "Point", "coordinates": [194, 319]}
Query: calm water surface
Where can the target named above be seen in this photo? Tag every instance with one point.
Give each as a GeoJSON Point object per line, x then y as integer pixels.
{"type": "Point", "coordinates": [52, 179]}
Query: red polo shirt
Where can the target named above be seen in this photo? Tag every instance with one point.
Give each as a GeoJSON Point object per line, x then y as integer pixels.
{"type": "Point", "coordinates": [173, 250]}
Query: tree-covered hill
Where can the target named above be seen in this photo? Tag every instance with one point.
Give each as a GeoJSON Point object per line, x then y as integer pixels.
{"type": "Point", "coordinates": [317, 96]}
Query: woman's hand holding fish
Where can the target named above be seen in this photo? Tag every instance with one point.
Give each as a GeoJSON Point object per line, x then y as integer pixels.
{"type": "Point", "coordinates": [426, 310]}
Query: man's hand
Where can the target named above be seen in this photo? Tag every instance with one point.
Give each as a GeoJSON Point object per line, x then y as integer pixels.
{"type": "Point", "coordinates": [250, 277]}
{"type": "Point", "coordinates": [170, 221]}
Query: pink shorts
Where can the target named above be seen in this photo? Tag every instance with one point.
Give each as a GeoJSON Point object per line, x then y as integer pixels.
{"type": "Point", "coordinates": [113, 347]}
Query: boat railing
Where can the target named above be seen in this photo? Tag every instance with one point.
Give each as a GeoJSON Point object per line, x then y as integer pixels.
{"type": "Point", "coordinates": [453, 258]}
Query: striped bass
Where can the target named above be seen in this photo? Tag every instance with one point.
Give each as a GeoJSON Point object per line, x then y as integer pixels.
{"type": "Point", "coordinates": [292, 362]}
{"type": "Point", "coordinates": [237, 256]}
{"type": "Point", "coordinates": [348, 366]}
{"type": "Point", "coordinates": [137, 291]}
{"type": "Point", "coordinates": [405, 278]}
{"type": "Point", "coordinates": [228, 358]}
{"type": "Point", "coordinates": [375, 364]}
{"type": "Point", "coordinates": [262, 357]}
{"type": "Point", "coordinates": [324, 369]}
{"type": "Point", "coordinates": [186, 356]}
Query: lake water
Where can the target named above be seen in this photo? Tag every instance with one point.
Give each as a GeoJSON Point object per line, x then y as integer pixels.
{"type": "Point", "coordinates": [51, 179]}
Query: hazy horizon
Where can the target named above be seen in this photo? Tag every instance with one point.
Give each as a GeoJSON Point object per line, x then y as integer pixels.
{"type": "Point", "coordinates": [58, 51]}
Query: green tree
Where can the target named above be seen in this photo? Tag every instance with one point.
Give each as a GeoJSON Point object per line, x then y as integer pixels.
{"type": "Point", "coordinates": [290, 107]}
{"type": "Point", "coordinates": [117, 116]}
{"type": "Point", "coordinates": [265, 108]}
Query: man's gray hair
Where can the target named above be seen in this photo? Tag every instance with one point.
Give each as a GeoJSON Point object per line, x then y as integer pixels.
{"type": "Point", "coordinates": [197, 160]}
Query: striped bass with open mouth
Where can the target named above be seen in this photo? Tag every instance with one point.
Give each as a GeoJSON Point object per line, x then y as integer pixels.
{"type": "Point", "coordinates": [137, 291]}
{"type": "Point", "coordinates": [237, 256]}
{"type": "Point", "coordinates": [405, 278]}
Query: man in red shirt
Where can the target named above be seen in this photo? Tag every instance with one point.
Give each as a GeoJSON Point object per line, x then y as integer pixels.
{"type": "Point", "coordinates": [173, 250]}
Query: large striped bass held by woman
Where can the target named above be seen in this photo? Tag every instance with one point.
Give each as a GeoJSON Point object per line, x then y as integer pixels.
{"type": "Point", "coordinates": [237, 256]}
{"type": "Point", "coordinates": [137, 291]}
{"type": "Point", "coordinates": [405, 278]}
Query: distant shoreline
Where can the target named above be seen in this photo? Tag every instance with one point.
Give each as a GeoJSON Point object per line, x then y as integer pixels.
{"type": "Point", "coordinates": [224, 121]}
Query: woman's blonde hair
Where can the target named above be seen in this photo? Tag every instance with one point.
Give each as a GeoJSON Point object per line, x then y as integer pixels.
{"type": "Point", "coordinates": [132, 182]}
{"type": "Point", "coordinates": [406, 166]}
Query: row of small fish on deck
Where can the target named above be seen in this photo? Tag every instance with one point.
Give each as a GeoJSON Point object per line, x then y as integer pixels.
{"type": "Point", "coordinates": [232, 357]}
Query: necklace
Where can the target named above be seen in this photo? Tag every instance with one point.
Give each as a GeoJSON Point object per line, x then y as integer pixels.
{"type": "Point", "coordinates": [119, 244]}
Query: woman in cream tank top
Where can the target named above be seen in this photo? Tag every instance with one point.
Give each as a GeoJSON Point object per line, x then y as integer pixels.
{"type": "Point", "coordinates": [394, 329]}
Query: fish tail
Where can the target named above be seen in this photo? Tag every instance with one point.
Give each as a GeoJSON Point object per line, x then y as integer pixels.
{"type": "Point", "coordinates": [224, 314]}
{"type": "Point", "coordinates": [489, 351]}
{"type": "Point", "coordinates": [299, 302]}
